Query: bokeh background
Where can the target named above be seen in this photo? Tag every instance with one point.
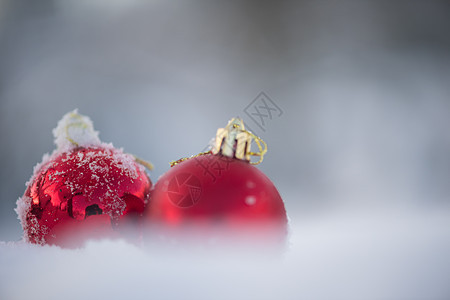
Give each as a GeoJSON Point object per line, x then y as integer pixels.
{"type": "Point", "coordinates": [364, 89]}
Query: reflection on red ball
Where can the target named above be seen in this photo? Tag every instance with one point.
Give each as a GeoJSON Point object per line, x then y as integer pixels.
{"type": "Point", "coordinates": [213, 195]}
{"type": "Point", "coordinates": [84, 193]}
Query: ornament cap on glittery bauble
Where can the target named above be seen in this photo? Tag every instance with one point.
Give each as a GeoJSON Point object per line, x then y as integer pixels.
{"type": "Point", "coordinates": [219, 194]}
{"type": "Point", "coordinates": [85, 189]}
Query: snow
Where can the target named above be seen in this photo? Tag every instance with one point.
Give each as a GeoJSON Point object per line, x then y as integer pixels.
{"type": "Point", "coordinates": [75, 130]}
{"type": "Point", "coordinates": [392, 254]}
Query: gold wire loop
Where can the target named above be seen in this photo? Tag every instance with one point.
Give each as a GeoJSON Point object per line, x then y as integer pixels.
{"type": "Point", "coordinates": [145, 163]}
{"type": "Point", "coordinates": [262, 149]}
{"type": "Point", "coordinates": [176, 162]}
{"type": "Point", "coordinates": [80, 124]}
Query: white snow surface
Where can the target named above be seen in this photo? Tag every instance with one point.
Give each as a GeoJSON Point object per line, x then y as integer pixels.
{"type": "Point", "coordinates": [394, 254]}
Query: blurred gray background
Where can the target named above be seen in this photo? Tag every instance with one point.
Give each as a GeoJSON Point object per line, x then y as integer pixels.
{"type": "Point", "coordinates": [364, 87]}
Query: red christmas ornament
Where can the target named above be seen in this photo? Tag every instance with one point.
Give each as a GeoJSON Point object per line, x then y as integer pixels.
{"type": "Point", "coordinates": [219, 194]}
{"type": "Point", "coordinates": [85, 189]}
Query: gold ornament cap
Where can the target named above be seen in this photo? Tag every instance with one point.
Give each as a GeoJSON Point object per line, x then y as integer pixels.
{"type": "Point", "coordinates": [236, 142]}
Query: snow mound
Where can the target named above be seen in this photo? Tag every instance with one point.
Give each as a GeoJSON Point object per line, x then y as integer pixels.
{"type": "Point", "coordinates": [337, 255]}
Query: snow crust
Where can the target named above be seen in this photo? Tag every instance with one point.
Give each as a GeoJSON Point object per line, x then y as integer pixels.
{"type": "Point", "coordinates": [347, 255]}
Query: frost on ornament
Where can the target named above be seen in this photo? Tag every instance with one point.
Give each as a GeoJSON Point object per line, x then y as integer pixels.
{"type": "Point", "coordinates": [75, 130]}
{"type": "Point", "coordinates": [84, 189]}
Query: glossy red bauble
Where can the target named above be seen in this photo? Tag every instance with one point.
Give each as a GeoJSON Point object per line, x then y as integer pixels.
{"type": "Point", "coordinates": [212, 193]}
{"type": "Point", "coordinates": [83, 193]}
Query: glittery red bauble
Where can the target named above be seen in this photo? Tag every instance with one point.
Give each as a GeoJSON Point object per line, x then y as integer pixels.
{"type": "Point", "coordinates": [85, 193]}
{"type": "Point", "coordinates": [214, 194]}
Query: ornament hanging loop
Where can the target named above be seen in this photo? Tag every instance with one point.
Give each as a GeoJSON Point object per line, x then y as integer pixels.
{"type": "Point", "coordinates": [262, 147]}
{"type": "Point", "coordinates": [176, 162]}
{"type": "Point", "coordinates": [78, 123]}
